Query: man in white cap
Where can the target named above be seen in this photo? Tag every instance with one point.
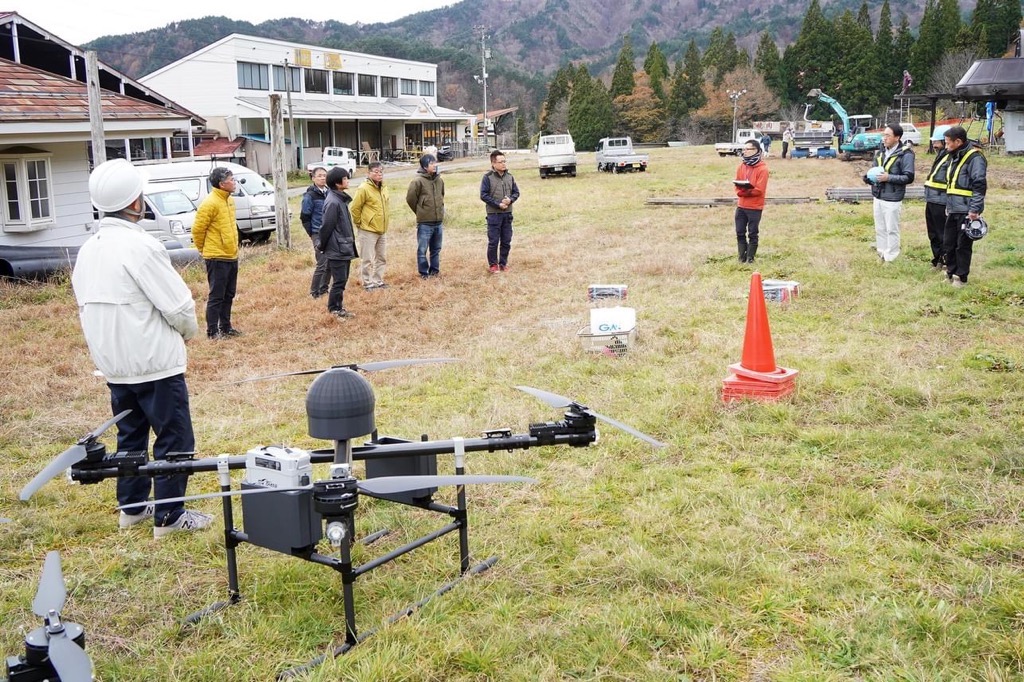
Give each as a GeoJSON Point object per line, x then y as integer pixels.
{"type": "Point", "coordinates": [136, 314]}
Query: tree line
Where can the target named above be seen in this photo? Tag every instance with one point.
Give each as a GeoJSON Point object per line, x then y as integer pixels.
{"type": "Point", "coordinates": [860, 64]}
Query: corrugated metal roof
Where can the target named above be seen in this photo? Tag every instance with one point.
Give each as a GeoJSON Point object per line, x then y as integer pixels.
{"type": "Point", "coordinates": [361, 110]}
{"type": "Point", "coordinates": [29, 94]}
{"type": "Point", "coordinates": [219, 146]}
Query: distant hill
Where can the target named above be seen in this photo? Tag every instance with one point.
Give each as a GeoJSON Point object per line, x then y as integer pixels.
{"type": "Point", "coordinates": [528, 39]}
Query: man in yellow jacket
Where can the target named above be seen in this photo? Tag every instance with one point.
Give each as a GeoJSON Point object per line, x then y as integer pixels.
{"type": "Point", "coordinates": [370, 215]}
{"type": "Point", "coordinates": [215, 234]}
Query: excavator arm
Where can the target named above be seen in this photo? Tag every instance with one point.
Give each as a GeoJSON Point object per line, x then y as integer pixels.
{"type": "Point", "coordinates": [836, 107]}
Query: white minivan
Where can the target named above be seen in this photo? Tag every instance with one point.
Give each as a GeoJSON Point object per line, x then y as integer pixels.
{"type": "Point", "coordinates": [254, 196]}
{"type": "Point", "coordinates": [556, 155]}
{"type": "Point", "coordinates": [169, 214]}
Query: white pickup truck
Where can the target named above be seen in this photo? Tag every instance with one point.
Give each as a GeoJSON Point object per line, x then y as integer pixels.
{"type": "Point", "coordinates": [336, 156]}
{"type": "Point", "coordinates": [615, 155]}
{"type": "Point", "coordinates": [743, 135]}
{"type": "Point", "coordinates": [556, 155]}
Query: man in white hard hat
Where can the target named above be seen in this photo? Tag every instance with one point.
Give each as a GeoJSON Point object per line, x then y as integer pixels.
{"type": "Point", "coordinates": [136, 314]}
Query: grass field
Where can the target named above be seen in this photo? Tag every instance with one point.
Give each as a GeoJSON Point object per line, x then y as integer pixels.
{"type": "Point", "coordinates": [867, 528]}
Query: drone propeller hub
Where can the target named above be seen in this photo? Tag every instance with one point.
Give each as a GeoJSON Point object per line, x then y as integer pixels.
{"type": "Point", "coordinates": [339, 406]}
{"type": "Point", "coordinates": [37, 642]}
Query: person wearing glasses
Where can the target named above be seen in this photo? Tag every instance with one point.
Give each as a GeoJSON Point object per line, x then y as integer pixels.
{"type": "Point", "coordinates": [751, 187]}
{"type": "Point", "coordinates": [498, 191]}
{"type": "Point", "coordinates": [370, 216]}
{"type": "Point", "coordinates": [893, 171]}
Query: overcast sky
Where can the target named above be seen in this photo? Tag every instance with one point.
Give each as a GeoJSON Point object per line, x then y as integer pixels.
{"type": "Point", "coordinates": [79, 21]}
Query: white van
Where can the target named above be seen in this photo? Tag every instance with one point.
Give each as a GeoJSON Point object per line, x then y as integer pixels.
{"type": "Point", "coordinates": [556, 154]}
{"type": "Point", "coordinates": [254, 196]}
{"type": "Point", "coordinates": [169, 214]}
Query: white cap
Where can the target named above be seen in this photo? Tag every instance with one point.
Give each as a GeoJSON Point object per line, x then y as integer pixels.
{"type": "Point", "coordinates": [114, 185]}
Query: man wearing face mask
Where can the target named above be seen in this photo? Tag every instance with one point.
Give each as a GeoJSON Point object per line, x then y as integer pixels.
{"type": "Point", "coordinates": [751, 187]}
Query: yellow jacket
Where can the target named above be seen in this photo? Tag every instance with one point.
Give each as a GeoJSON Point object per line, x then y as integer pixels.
{"type": "Point", "coordinates": [214, 231]}
{"type": "Point", "coordinates": [369, 208]}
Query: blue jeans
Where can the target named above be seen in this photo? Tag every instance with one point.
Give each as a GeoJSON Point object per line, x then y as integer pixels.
{"type": "Point", "coordinates": [428, 235]}
{"type": "Point", "coordinates": [161, 407]}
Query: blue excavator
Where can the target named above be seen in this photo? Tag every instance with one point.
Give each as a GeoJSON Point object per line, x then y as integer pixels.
{"type": "Point", "coordinates": [856, 141]}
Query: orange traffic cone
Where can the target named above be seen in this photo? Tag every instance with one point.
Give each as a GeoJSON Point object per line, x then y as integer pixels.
{"type": "Point", "coordinates": [756, 375]}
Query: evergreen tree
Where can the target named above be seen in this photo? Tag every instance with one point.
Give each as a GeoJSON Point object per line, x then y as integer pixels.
{"type": "Point", "coordinates": [930, 46]}
{"type": "Point", "coordinates": [768, 63]}
{"type": "Point", "coordinates": [854, 77]}
{"type": "Point", "coordinates": [733, 56]}
{"type": "Point", "coordinates": [864, 16]}
{"type": "Point", "coordinates": [622, 77]}
{"type": "Point", "coordinates": [656, 67]}
{"type": "Point", "coordinates": [693, 66]}
{"type": "Point", "coordinates": [984, 15]}
{"type": "Point", "coordinates": [1007, 24]}
{"type": "Point", "coordinates": [558, 93]}
{"type": "Point", "coordinates": [677, 106]}
{"type": "Point", "coordinates": [813, 56]}
{"type": "Point", "coordinates": [640, 114]}
{"type": "Point", "coordinates": [590, 110]}
{"type": "Point", "coordinates": [903, 48]}
{"type": "Point", "coordinates": [889, 72]}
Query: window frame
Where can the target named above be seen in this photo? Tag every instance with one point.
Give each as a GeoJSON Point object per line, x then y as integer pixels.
{"type": "Point", "coordinates": [427, 88]}
{"type": "Point", "coordinates": [246, 71]}
{"type": "Point", "coordinates": [410, 87]}
{"type": "Point", "coordinates": [388, 87]}
{"type": "Point", "coordinates": [26, 222]}
{"type": "Point", "coordinates": [317, 81]}
{"type": "Point", "coordinates": [367, 77]}
{"type": "Point", "coordinates": [278, 76]}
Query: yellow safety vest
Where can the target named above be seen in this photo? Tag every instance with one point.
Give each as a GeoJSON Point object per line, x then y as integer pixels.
{"type": "Point", "coordinates": [938, 184]}
{"type": "Point", "coordinates": [952, 187]}
{"type": "Point", "coordinates": [879, 155]}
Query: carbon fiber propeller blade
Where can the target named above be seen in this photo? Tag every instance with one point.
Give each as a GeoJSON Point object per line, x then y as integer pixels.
{"type": "Point", "coordinates": [51, 592]}
{"type": "Point", "coordinates": [365, 366]}
{"type": "Point", "coordinates": [69, 660]}
{"type": "Point", "coordinates": [73, 455]}
{"type": "Point", "coordinates": [555, 400]}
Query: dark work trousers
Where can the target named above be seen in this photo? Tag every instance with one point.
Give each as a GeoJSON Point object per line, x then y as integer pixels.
{"type": "Point", "coordinates": [321, 274]}
{"type": "Point", "coordinates": [957, 247]}
{"type": "Point", "coordinates": [499, 231]}
{"type": "Point", "coordinates": [785, 148]}
{"type": "Point", "coordinates": [222, 276]}
{"type": "Point", "coordinates": [935, 221]}
{"type": "Point", "coordinates": [162, 406]}
{"type": "Point", "coordinates": [747, 222]}
{"type": "Point", "coordinates": [339, 270]}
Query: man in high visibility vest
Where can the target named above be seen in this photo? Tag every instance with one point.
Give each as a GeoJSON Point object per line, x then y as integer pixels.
{"type": "Point", "coordinates": [888, 188]}
{"type": "Point", "coordinates": [965, 199]}
{"type": "Point", "coordinates": [935, 196]}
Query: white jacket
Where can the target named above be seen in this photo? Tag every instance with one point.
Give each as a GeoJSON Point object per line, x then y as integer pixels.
{"type": "Point", "coordinates": [135, 309]}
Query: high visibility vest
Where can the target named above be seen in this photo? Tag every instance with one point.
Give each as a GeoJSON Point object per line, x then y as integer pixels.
{"type": "Point", "coordinates": [954, 177]}
{"type": "Point", "coordinates": [933, 177]}
{"type": "Point", "coordinates": [879, 155]}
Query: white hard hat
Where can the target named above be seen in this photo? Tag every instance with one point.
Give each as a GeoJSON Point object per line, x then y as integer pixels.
{"type": "Point", "coordinates": [114, 185]}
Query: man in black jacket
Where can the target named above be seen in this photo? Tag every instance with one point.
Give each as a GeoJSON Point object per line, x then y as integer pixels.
{"type": "Point", "coordinates": [311, 214]}
{"type": "Point", "coordinates": [337, 239]}
{"type": "Point", "coordinates": [888, 188]}
{"type": "Point", "coordinates": [967, 183]}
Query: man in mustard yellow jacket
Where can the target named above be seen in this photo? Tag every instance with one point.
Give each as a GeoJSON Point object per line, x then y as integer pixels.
{"type": "Point", "coordinates": [370, 215]}
{"type": "Point", "coordinates": [215, 234]}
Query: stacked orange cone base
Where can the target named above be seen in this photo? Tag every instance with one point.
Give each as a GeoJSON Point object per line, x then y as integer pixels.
{"type": "Point", "coordinates": [756, 375]}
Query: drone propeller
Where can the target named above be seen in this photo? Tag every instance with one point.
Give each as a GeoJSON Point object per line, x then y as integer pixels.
{"type": "Point", "coordinates": [69, 660]}
{"type": "Point", "coordinates": [73, 455]}
{"type": "Point", "coordinates": [365, 366]}
{"type": "Point", "coordinates": [555, 400]}
{"type": "Point", "coordinates": [383, 485]}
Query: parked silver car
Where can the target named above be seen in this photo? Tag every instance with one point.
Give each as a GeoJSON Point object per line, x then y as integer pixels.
{"type": "Point", "coordinates": [169, 214]}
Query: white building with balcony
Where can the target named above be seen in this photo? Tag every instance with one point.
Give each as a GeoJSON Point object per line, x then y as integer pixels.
{"type": "Point", "coordinates": [379, 106]}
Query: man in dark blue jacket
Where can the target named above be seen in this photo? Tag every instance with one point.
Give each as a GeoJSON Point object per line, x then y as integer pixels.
{"type": "Point", "coordinates": [337, 239]}
{"type": "Point", "coordinates": [888, 187]}
{"type": "Point", "coordinates": [311, 214]}
{"type": "Point", "coordinates": [965, 200]}
{"type": "Point", "coordinates": [498, 190]}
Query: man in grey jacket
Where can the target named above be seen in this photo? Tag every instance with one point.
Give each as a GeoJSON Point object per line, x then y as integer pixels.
{"type": "Point", "coordinates": [888, 188]}
{"type": "Point", "coordinates": [965, 200]}
{"type": "Point", "coordinates": [136, 314]}
{"type": "Point", "coordinates": [498, 190]}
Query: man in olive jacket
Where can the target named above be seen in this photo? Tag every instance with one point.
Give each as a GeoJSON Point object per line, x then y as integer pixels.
{"type": "Point", "coordinates": [426, 199]}
{"type": "Point", "coordinates": [498, 191]}
{"type": "Point", "coordinates": [215, 235]}
{"type": "Point", "coordinates": [370, 215]}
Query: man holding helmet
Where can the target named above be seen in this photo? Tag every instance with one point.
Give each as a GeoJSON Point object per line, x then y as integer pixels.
{"type": "Point", "coordinates": [935, 195]}
{"type": "Point", "coordinates": [965, 201]}
{"type": "Point", "coordinates": [136, 314]}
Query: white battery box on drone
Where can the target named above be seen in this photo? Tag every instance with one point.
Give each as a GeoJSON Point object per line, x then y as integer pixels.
{"type": "Point", "coordinates": [276, 466]}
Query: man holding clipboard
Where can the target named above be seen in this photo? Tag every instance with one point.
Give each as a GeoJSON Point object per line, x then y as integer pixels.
{"type": "Point", "coordinates": [751, 186]}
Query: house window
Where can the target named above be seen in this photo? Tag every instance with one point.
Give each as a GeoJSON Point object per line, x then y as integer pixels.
{"type": "Point", "coordinates": [253, 76]}
{"type": "Point", "coordinates": [316, 81]}
{"type": "Point", "coordinates": [426, 88]}
{"type": "Point", "coordinates": [27, 194]}
{"type": "Point", "coordinates": [343, 83]}
{"type": "Point", "coordinates": [388, 87]}
{"type": "Point", "coordinates": [283, 85]}
{"type": "Point", "coordinates": [367, 85]}
{"type": "Point", "coordinates": [408, 86]}
{"type": "Point", "coordinates": [179, 144]}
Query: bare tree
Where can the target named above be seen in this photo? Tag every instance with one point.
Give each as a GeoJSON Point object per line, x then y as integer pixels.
{"type": "Point", "coordinates": [950, 69]}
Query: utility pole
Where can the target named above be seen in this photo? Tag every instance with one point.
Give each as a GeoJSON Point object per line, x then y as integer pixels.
{"type": "Point", "coordinates": [484, 54]}
{"type": "Point", "coordinates": [92, 80]}
{"type": "Point", "coordinates": [735, 95]}
{"type": "Point", "coordinates": [280, 172]}
{"type": "Point", "coordinates": [291, 121]}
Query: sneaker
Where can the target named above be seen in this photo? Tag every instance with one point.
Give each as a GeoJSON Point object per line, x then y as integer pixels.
{"type": "Point", "coordinates": [128, 520]}
{"type": "Point", "coordinates": [216, 336]}
{"type": "Point", "coordinates": [493, 269]}
{"type": "Point", "coordinates": [503, 268]}
{"type": "Point", "coordinates": [342, 313]}
{"type": "Point", "coordinates": [189, 520]}
{"type": "Point", "coordinates": [957, 282]}
{"type": "Point", "coordinates": [382, 286]}
{"type": "Point", "coordinates": [231, 331]}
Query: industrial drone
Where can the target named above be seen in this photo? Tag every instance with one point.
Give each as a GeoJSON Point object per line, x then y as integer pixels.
{"type": "Point", "coordinates": [286, 511]}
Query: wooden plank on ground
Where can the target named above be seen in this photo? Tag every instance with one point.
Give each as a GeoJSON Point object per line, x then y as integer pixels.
{"type": "Point", "coordinates": [722, 201]}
